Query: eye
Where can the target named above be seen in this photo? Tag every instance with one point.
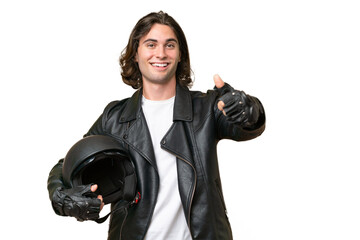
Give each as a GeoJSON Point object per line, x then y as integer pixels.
{"type": "Point", "coordinates": [150, 45]}
{"type": "Point", "coordinates": [170, 45]}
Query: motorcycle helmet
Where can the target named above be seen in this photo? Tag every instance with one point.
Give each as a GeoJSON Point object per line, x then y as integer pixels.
{"type": "Point", "coordinates": [101, 160]}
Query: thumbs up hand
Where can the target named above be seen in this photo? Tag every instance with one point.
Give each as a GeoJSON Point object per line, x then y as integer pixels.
{"type": "Point", "coordinates": [237, 106]}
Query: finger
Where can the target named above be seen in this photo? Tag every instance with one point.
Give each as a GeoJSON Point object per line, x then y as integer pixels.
{"type": "Point", "coordinates": [221, 105]}
{"type": "Point", "coordinates": [232, 108]}
{"type": "Point", "coordinates": [102, 202]}
{"type": "Point", "coordinates": [94, 187]}
{"type": "Point", "coordinates": [219, 83]}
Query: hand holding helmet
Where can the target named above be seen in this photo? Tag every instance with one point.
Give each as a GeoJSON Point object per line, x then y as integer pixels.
{"type": "Point", "coordinates": [96, 159]}
{"type": "Point", "coordinates": [80, 202]}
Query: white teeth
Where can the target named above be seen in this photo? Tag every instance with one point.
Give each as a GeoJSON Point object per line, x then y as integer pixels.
{"type": "Point", "coordinates": [159, 64]}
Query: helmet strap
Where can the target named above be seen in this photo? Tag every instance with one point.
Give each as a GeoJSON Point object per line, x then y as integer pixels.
{"type": "Point", "coordinates": [122, 206]}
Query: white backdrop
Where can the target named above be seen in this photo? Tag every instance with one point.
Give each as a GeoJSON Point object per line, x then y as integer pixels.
{"type": "Point", "coordinates": [299, 180]}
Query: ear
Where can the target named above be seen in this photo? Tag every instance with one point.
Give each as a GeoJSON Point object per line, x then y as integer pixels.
{"type": "Point", "coordinates": [136, 57]}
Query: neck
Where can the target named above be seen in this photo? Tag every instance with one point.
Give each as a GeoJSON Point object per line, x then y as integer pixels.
{"type": "Point", "coordinates": [159, 92]}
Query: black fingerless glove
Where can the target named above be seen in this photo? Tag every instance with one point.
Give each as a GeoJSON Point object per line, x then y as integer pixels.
{"type": "Point", "coordinates": [78, 202]}
{"type": "Point", "coordinates": [239, 107]}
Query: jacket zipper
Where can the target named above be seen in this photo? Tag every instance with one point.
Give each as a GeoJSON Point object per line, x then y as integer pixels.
{"type": "Point", "coordinates": [193, 190]}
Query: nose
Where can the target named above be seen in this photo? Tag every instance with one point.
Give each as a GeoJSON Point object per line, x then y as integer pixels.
{"type": "Point", "coordinates": [161, 52]}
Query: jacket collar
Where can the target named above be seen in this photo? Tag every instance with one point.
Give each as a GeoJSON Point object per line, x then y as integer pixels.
{"type": "Point", "coordinates": [182, 106]}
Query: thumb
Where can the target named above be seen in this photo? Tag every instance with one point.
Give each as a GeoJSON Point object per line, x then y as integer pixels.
{"type": "Point", "coordinates": [219, 83]}
{"type": "Point", "coordinates": [94, 187]}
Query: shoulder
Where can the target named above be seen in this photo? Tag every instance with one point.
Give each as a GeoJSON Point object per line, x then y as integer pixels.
{"type": "Point", "coordinates": [115, 105]}
{"type": "Point", "coordinates": [203, 104]}
{"type": "Point", "coordinates": [203, 99]}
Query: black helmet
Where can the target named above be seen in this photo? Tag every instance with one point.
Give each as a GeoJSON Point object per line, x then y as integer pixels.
{"type": "Point", "coordinates": [101, 160]}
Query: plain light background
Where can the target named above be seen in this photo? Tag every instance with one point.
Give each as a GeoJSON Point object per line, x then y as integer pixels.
{"type": "Point", "coordinates": [299, 180]}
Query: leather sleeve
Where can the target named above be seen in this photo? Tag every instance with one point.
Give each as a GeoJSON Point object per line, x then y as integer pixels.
{"type": "Point", "coordinates": [55, 179]}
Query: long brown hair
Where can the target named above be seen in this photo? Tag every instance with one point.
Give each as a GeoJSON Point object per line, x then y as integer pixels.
{"type": "Point", "coordinates": [130, 73]}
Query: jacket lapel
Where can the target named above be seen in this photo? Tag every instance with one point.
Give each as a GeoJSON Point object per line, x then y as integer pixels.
{"type": "Point", "coordinates": [178, 137]}
{"type": "Point", "coordinates": [182, 105]}
{"type": "Point", "coordinates": [137, 135]}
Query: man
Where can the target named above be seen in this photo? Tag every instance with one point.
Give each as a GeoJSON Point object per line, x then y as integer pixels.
{"type": "Point", "coordinates": [170, 134]}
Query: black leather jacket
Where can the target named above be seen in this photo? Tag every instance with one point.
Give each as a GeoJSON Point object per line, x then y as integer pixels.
{"type": "Point", "coordinates": [198, 126]}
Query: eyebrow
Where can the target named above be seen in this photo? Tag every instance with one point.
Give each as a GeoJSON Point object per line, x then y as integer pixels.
{"type": "Point", "coordinates": [167, 40]}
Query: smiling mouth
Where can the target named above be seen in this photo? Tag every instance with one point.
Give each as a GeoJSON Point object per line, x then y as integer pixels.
{"type": "Point", "coordinates": [162, 65]}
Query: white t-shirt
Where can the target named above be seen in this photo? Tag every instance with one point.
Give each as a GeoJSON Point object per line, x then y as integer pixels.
{"type": "Point", "coordinates": [168, 221]}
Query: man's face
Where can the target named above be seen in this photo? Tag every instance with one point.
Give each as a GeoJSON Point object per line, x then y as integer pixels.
{"type": "Point", "coordinates": [158, 55]}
